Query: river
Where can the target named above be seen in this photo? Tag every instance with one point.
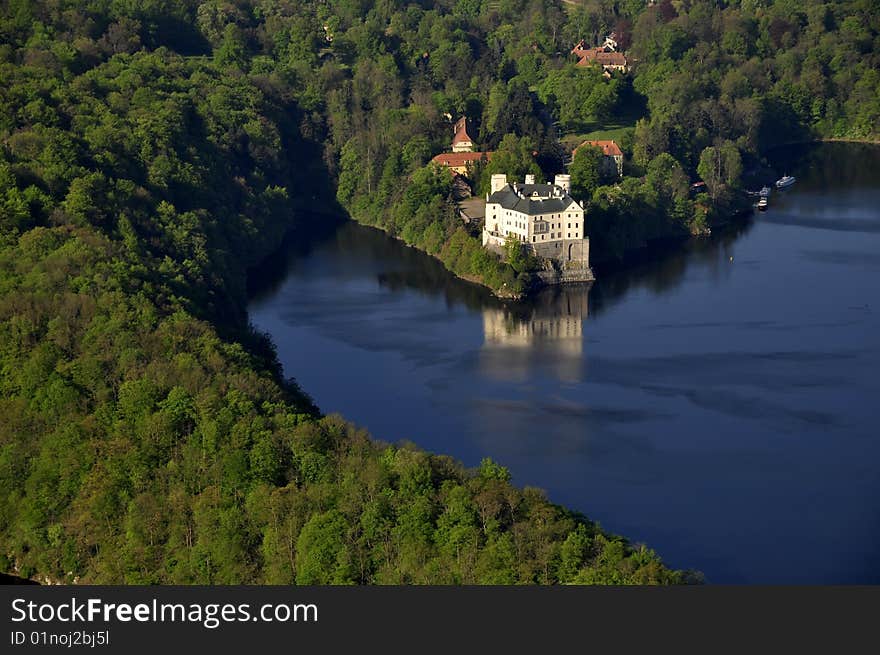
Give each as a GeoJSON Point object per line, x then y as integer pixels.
{"type": "Point", "coordinates": [718, 403]}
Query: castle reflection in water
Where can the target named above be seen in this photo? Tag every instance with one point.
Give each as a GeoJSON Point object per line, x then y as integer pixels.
{"type": "Point", "coordinates": [546, 333]}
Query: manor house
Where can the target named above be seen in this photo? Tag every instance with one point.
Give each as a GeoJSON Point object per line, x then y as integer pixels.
{"type": "Point", "coordinates": [543, 216]}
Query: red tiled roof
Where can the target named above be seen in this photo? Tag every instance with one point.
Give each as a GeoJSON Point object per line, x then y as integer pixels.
{"type": "Point", "coordinates": [599, 55]}
{"type": "Point", "coordinates": [460, 158]}
{"type": "Point", "coordinates": [609, 148]}
{"type": "Point", "coordinates": [461, 132]}
{"type": "Point", "coordinates": [579, 49]}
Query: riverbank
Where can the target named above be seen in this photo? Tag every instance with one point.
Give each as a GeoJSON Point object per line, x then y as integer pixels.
{"type": "Point", "coordinates": [869, 141]}
{"type": "Point", "coordinates": [502, 293]}
{"type": "Point", "coordinates": [541, 279]}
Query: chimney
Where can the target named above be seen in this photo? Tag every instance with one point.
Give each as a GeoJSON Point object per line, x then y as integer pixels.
{"type": "Point", "coordinates": [530, 179]}
{"type": "Point", "coordinates": [563, 181]}
{"type": "Point", "coordinates": [499, 181]}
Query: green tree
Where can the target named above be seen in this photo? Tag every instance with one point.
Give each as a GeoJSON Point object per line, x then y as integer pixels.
{"type": "Point", "coordinates": [516, 254]}
{"type": "Point", "coordinates": [720, 168]}
{"type": "Point", "coordinates": [231, 51]}
{"type": "Point", "coordinates": [323, 556]}
{"type": "Point", "coordinates": [586, 171]}
{"type": "Point", "coordinates": [515, 158]}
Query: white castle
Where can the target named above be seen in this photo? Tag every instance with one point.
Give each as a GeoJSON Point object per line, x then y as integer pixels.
{"type": "Point", "coordinates": [542, 216]}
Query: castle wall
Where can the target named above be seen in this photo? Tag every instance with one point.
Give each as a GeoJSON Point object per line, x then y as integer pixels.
{"type": "Point", "coordinates": [569, 253]}
{"type": "Point", "coordinates": [565, 251]}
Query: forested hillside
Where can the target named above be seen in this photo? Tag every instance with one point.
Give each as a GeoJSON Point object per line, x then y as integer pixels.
{"type": "Point", "coordinates": [712, 88]}
{"type": "Point", "coordinates": [153, 150]}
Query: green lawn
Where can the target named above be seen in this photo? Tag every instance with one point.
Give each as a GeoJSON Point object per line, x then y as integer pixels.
{"type": "Point", "coordinates": [612, 132]}
{"type": "Point", "coordinates": [631, 109]}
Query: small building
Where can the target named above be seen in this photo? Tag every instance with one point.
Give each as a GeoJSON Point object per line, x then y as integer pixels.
{"type": "Point", "coordinates": [462, 158]}
{"type": "Point", "coordinates": [604, 55]}
{"type": "Point", "coordinates": [609, 61]}
{"type": "Point", "coordinates": [461, 141]}
{"type": "Point", "coordinates": [612, 160]}
{"type": "Point", "coordinates": [544, 217]}
{"type": "Point", "coordinates": [460, 162]}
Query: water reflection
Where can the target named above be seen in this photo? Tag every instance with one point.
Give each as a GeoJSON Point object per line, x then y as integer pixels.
{"type": "Point", "coordinates": [548, 331]}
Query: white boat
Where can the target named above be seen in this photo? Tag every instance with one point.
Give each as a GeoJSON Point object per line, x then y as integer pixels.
{"type": "Point", "coordinates": [784, 181]}
{"type": "Point", "coordinates": [764, 192]}
{"type": "Point", "coordinates": [762, 203]}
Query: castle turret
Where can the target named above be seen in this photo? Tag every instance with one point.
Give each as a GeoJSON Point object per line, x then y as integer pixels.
{"type": "Point", "coordinates": [563, 181]}
{"type": "Point", "coordinates": [499, 181]}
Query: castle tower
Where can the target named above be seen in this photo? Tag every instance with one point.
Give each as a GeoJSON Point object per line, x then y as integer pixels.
{"type": "Point", "coordinates": [461, 141]}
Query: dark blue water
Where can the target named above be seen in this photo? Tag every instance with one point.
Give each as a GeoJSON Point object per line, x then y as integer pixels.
{"type": "Point", "coordinates": [719, 403]}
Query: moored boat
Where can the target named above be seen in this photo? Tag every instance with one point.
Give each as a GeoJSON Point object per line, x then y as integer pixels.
{"type": "Point", "coordinates": [762, 203]}
{"type": "Point", "coordinates": [784, 181]}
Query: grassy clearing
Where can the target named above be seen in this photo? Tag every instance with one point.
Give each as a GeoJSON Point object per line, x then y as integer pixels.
{"type": "Point", "coordinates": [612, 132]}
{"type": "Point", "coordinates": [631, 109]}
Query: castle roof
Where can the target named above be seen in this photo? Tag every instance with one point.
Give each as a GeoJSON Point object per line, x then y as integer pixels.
{"type": "Point", "coordinates": [533, 199]}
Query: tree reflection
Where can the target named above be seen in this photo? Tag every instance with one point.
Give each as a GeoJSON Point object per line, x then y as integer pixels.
{"type": "Point", "coordinates": [662, 268]}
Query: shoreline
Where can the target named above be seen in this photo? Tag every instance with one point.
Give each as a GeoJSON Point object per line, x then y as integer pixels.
{"type": "Point", "coordinates": [875, 142]}
{"type": "Point", "coordinates": [538, 283]}
{"type": "Point", "coordinates": [803, 142]}
{"type": "Point", "coordinates": [471, 279]}
{"type": "Point", "coordinates": [606, 265]}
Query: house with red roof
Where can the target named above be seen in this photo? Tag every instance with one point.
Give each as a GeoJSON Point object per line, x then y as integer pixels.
{"type": "Point", "coordinates": [459, 162]}
{"type": "Point", "coordinates": [605, 56]}
{"type": "Point", "coordinates": [580, 49]}
{"type": "Point", "coordinates": [612, 160]}
{"type": "Point", "coordinates": [462, 158]}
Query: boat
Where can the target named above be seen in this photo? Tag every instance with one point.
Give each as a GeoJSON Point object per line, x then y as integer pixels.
{"type": "Point", "coordinates": [764, 192]}
{"type": "Point", "coordinates": [762, 203]}
{"type": "Point", "coordinates": [784, 181]}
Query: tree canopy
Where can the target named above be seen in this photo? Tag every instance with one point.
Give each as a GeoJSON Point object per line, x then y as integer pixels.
{"type": "Point", "coordinates": [151, 153]}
